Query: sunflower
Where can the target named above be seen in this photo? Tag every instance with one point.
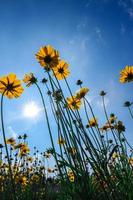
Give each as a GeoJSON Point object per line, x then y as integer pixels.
{"type": "Point", "coordinates": [126, 75]}
{"type": "Point", "coordinates": [61, 70]}
{"type": "Point", "coordinates": [48, 57]}
{"type": "Point", "coordinates": [74, 103]}
{"type": "Point", "coordinates": [10, 86]}
{"type": "Point", "coordinates": [82, 92]}
{"type": "Point", "coordinates": [29, 79]}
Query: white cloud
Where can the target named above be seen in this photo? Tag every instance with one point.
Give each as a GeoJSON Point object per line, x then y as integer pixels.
{"type": "Point", "coordinates": [11, 132]}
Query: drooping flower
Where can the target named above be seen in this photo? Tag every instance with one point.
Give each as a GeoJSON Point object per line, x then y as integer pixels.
{"type": "Point", "coordinates": [126, 75]}
{"type": "Point", "coordinates": [73, 103]}
{"type": "Point", "coordinates": [61, 71]}
{"type": "Point", "coordinates": [48, 57]}
{"type": "Point", "coordinates": [10, 86]}
{"type": "Point", "coordinates": [29, 79]}
{"type": "Point", "coordinates": [82, 92]}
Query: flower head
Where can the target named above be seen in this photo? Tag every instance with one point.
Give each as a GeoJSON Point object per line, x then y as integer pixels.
{"type": "Point", "coordinates": [48, 57]}
{"type": "Point", "coordinates": [61, 141]}
{"type": "Point", "coordinates": [29, 79]}
{"type": "Point", "coordinates": [82, 92]}
{"type": "Point", "coordinates": [10, 86]}
{"type": "Point", "coordinates": [93, 122]}
{"type": "Point", "coordinates": [74, 103]}
{"type": "Point", "coordinates": [61, 71]}
{"type": "Point", "coordinates": [126, 75]}
{"type": "Point", "coordinates": [11, 141]}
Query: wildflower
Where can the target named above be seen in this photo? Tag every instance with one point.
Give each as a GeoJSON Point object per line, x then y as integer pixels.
{"type": "Point", "coordinates": [35, 178]}
{"type": "Point", "coordinates": [79, 82]}
{"type": "Point", "coordinates": [126, 75]}
{"type": "Point", "coordinates": [10, 141]}
{"type": "Point", "coordinates": [82, 92]}
{"type": "Point", "coordinates": [22, 180]}
{"type": "Point", "coordinates": [115, 155]}
{"type": "Point", "coordinates": [131, 161]}
{"type": "Point", "coordinates": [72, 150]}
{"type": "Point", "coordinates": [61, 70]}
{"type": "Point", "coordinates": [29, 79]}
{"type": "Point", "coordinates": [102, 93]}
{"type": "Point", "coordinates": [49, 170]}
{"type": "Point", "coordinates": [74, 103]}
{"type": "Point", "coordinates": [30, 159]}
{"type": "Point", "coordinates": [128, 104]}
{"type": "Point", "coordinates": [24, 150]}
{"type": "Point", "coordinates": [57, 95]}
{"type": "Point", "coordinates": [120, 127]}
{"type": "Point", "coordinates": [93, 122]}
{"type": "Point", "coordinates": [48, 57]}
{"type": "Point", "coordinates": [47, 155]}
{"type": "Point", "coordinates": [71, 176]}
{"type": "Point", "coordinates": [61, 141]}
{"type": "Point", "coordinates": [112, 118]}
{"type": "Point", "coordinates": [44, 80]}
{"type": "Point", "coordinates": [10, 86]}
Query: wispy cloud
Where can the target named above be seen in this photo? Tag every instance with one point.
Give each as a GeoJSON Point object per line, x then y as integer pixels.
{"type": "Point", "coordinates": [11, 132]}
{"type": "Point", "coordinates": [127, 6]}
{"type": "Point", "coordinates": [99, 35]}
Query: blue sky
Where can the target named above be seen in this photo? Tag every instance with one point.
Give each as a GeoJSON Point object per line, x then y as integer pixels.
{"type": "Point", "coordinates": [94, 36]}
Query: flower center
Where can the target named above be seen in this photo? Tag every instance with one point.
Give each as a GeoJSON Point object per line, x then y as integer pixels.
{"type": "Point", "coordinates": [130, 77]}
{"type": "Point", "coordinates": [10, 87]}
{"type": "Point", "coordinates": [47, 59]}
{"type": "Point", "coordinates": [61, 70]}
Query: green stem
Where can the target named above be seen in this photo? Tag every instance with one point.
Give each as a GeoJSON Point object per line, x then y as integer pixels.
{"type": "Point", "coordinates": [4, 138]}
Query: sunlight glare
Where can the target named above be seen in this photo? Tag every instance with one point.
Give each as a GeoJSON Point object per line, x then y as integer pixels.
{"type": "Point", "coordinates": [31, 110]}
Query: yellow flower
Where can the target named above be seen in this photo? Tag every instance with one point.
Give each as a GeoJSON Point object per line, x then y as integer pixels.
{"type": "Point", "coordinates": [61, 70]}
{"type": "Point", "coordinates": [30, 159]}
{"type": "Point", "coordinates": [10, 86]}
{"type": "Point", "coordinates": [72, 151]}
{"type": "Point", "coordinates": [48, 56]}
{"type": "Point", "coordinates": [71, 176]}
{"type": "Point", "coordinates": [10, 141]}
{"type": "Point", "coordinates": [24, 150]}
{"type": "Point", "coordinates": [115, 155]}
{"type": "Point", "coordinates": [61, 141]}
{"type": "Point", "coordinates": [126, 75]}
{"type": "Point", "coordinates": [131, 161]}
{"type": "Point", "coordinates": [74, 103]}
{"type": "Point", "coordinates": [29, 79]}
{"type": "Point", "coordinates": [22, 180]}
{"type": "Point", "coordinates": [93, 122]}
{"type": "Point", "coordinates": [82, 92]}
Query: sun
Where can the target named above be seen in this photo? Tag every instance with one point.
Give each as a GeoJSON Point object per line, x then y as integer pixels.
{"type": "Point", "coordinates": [31, 110]}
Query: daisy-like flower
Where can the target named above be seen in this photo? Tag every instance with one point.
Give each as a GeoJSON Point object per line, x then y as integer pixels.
{"type": "Point", "coordinates": [11, 141]}
{"type": "Point", "coordinates": [82, 92]}
{"type": "Point", "coordinates": [73, 103]}
{"type": "Point", "coordinates": [29, 79]}
{"type": "Point", "coordinates": [126, 75]}
{"type": "Point", "coordinates": [93, 122]}
{"type": "Point", "coordinates": [61, 141]}
{"type": "Point", "coordinates": [10, 86]}
{"type": "Point", "coordinates": [61, 71]}
{"type": "Point", "coordinates": [48, 57]}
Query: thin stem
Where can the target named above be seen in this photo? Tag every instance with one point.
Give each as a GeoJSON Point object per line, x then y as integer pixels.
{"type": "Point", "coordinates": [4, 138]}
